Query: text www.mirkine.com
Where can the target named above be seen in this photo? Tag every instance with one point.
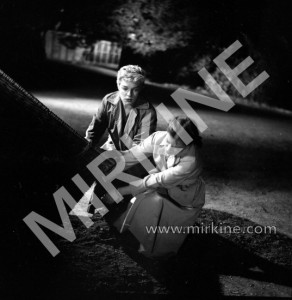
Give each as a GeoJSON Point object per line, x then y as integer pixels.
{"type": "Point", "coordinates": [216, 229]}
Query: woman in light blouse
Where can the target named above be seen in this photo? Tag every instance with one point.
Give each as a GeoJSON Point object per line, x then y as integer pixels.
{"type": "Point", "coordinates": [173, 193]}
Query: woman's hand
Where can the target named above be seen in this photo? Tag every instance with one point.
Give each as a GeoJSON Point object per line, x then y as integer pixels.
{"type": "Point", "coordinates": [133, 189]}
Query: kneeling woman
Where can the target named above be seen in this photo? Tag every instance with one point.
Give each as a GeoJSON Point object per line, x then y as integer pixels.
{"type": "Point", "coordinates": [170, 198]}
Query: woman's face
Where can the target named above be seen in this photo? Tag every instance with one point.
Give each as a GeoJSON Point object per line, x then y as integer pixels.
{"type": "Point", "coordinates": [129, 91]}
{"type": "Point", "coordinates": [174, 145]}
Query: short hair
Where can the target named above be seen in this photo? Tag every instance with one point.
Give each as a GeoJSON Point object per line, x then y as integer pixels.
{"type": "Point", "coordinates": [131, 73]}
{"type": "Point", "coordinates": [188, 126]}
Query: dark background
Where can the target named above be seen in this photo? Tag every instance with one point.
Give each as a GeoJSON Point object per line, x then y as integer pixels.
{"type": "Point", "coordinates": [171, 39]}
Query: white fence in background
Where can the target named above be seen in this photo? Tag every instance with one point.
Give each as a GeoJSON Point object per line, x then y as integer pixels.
{"type": "Point", "coordinates": [101, 53]}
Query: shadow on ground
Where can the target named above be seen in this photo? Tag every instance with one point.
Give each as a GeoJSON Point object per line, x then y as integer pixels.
{"type": "Point", "coordinates": [102, 262]}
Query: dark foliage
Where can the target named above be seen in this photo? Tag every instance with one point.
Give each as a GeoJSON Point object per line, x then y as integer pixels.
{"type": "Point", "coordinates": [172, 39]}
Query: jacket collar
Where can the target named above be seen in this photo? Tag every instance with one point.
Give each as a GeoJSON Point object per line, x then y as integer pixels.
{"type": "Point", "coordinates": [115, 98]}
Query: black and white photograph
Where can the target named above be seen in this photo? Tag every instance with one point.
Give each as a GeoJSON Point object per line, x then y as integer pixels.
{"type": "Point", "coordinates": [146, 149]}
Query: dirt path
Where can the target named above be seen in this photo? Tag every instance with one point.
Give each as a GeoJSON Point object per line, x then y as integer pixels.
{"type": "Point", "coordinates": [247, 154]}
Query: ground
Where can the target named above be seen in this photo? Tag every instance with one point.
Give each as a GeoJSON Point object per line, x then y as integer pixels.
{"type": "Point", "coordinates": [247, 155]}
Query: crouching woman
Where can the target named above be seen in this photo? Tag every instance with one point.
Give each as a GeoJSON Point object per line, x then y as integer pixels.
{"type": "Point", "coordinates": [170, 198]}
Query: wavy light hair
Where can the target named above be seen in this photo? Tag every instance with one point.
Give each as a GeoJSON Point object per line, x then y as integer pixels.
{"type": "Point", "coordinates": [132, 73]}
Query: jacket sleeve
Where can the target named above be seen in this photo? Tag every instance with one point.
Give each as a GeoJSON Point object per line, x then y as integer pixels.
{"type": "Point", "coordinates": [98, 124]}
{"type": "Point", "coordinates": [147, 126]}
{"type": "Point", "coordinates": [168, 178]}
{"type": "Point", "coordinates": [139, 152]}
